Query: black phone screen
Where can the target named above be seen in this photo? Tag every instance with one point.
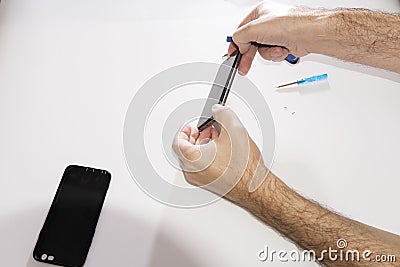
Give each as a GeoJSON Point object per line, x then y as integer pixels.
{"type": "Point", "coordinates": [71, 221]}
{"type": "Point", "coordinates": [220, 89]}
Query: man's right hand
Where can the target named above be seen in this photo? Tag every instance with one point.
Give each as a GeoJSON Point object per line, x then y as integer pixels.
{"type": "Point", "coordinates": [287, 29]}
{"type": "Point", "coordinates": [351, 34]}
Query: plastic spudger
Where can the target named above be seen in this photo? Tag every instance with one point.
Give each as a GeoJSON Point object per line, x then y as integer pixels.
{"type": "Point", "coordinates": [290, 58]}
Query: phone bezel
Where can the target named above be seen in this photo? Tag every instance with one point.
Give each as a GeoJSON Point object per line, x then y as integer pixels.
{"type": "Point", "coordinates": [228, 84]}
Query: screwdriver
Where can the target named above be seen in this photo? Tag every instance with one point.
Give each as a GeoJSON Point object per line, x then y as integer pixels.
{"type": "Point", "coordinates": [306, 80]}
{"type": "Point", "coordinates": [290, 58]}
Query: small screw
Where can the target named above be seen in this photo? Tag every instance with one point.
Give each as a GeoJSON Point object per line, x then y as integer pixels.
{"type": "Point", "coordinates": [285, 107]}
{"type": "Point", "coordinates": [293, 112]}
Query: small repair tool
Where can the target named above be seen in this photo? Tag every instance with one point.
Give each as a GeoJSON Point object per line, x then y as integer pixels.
{"type": "Point", "coordinates": [306, 80]}
{"type": "Point", "coordinates": [290, 58]}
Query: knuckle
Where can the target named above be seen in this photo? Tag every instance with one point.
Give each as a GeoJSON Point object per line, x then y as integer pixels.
{"type": "Point", "coordinates": [251, 30]}
{"type": "Point", "coordinates": [235, 36]}
{"type": "Point", "coordinates": [191, 179]}
{"type": "Point", "coordinates": [192, 155]}
{"type": "Point", "coordinates": [264, 53]}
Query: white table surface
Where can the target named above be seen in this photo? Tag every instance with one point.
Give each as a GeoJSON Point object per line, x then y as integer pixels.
{"type": "Point", "coordinates": [68, 70]}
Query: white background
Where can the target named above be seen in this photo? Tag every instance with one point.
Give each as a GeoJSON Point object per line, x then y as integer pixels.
{"type": "Point", "coordinates": [68, 70]}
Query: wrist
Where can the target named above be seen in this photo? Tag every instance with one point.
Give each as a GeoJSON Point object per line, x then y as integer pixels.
{"type": "Point", "coordinates": [259, 200]}
{"type": "Point", "coordinates": [277, 204]}
{"type": "Point", "coordinates": [262, 201]}
{"type": "Point", "coordinates": [321, 33]}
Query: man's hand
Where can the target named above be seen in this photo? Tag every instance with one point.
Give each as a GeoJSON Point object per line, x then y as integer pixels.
{"type": "Point", "coordinates": [230, 164]}
{"type": "Point", "coordinates": [286, 28]}
{"type": "Point", "coordinates": [227, 163]}
{"type": "Point", "coordinates": [357, 35]}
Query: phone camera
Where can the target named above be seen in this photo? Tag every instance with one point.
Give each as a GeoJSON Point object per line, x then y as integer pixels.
{"type": "Point", "coordinates": [44, 256]}
{"type": "Point", "coordinates": [50, 258]}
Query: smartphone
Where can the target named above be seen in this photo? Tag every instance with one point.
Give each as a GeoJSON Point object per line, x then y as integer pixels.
{"type": "Point", "coordinates": [220, 89]}
{"type": "Point", "coordinates": [71, 222]}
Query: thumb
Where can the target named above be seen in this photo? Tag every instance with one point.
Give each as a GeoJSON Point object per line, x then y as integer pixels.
{"type": "Point", "coordinates": [230, 124]}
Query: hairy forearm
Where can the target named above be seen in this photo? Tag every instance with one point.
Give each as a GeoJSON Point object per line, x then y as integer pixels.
{"type": "Point", "coordinates": [313, 227]}
{"type": "Point", "coordinates": [359, 35]}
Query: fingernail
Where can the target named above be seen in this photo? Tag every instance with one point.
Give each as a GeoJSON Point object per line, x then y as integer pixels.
{"type": "Point", "coordinates": [217, 107]}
